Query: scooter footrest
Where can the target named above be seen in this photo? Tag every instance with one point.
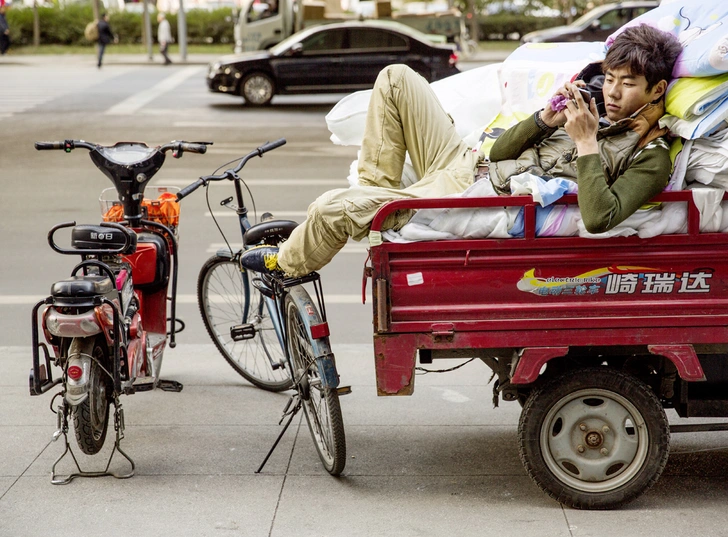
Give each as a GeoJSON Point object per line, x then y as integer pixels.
{"type": "Point", "coordinates": [242, 332]}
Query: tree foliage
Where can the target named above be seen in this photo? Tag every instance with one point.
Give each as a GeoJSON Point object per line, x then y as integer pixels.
{"type": "Point", "coordinates": [65, 26]}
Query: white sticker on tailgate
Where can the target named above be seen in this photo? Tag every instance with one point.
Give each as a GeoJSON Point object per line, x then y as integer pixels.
{"type": "Point", "coordinates": [415, 279]}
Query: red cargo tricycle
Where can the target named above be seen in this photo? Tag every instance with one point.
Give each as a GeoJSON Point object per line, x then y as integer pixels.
{"type": "Point", "coordinates": [595, 338]}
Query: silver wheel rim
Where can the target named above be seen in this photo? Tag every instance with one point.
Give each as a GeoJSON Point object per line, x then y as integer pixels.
{"type": "Point", "coordinates": [594, 440]}
{"type": "Point", "coordinates": [258, 89]}
{"type": "Point", "coordinates": [315, 406]}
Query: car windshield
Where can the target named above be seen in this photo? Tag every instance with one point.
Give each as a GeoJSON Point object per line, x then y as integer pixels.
{"type": "Point", "coordinates": [284, 45]}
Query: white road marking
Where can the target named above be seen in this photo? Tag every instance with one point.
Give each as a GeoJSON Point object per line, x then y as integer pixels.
{"type": "Point", "coordinates": [132, 104]}
{"type": "Point", "coordinates": [278, 214]}
{"type": "Point", "coordinates": [24, 89]}
{"type": "Point", "coordinates": [31, 300]}
{"type": "Point", "coordinates": [342, 183]}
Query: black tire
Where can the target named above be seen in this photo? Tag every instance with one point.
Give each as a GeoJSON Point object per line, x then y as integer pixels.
{"type": "Point", "coordinates": [321, 405]}
{"type": "Point", "coordinates": [594, 438]}
{"type": "Point", "coordinates": [257, 89]}
{"type": "Point", "coordinates": [91, 417]}
{"type": "Point", "coordinates": [224, 294]}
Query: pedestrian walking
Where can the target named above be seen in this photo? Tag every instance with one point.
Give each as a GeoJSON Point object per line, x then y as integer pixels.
{"type": "Point", "coordinates": [4, 29]}
{"type": "Point", "coordinates": [164, 36]}
{"type": "Point", "coordinates": [106, 37]}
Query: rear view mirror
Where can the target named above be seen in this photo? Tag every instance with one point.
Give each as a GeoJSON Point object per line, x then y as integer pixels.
{"type": "Point", "coordinates": [296, 49]}
{"type": "Point", "coordinates": [595, 25]}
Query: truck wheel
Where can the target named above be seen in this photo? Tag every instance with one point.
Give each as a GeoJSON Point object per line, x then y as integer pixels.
{"type": "Point", "coordinates": [593, 438]}
{"type": "Point", "coordinates": [257, 89]}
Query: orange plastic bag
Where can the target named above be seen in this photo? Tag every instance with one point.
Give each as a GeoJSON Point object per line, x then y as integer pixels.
{"type": "Point", "coordinates": [165, 210]}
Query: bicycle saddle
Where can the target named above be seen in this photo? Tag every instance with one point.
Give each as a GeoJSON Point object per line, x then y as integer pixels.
{"type": "Point", "coordinates": [269, 232]}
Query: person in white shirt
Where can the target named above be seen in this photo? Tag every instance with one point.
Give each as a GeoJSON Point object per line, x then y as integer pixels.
{"type": "Point", "coordinates": [164, 37]}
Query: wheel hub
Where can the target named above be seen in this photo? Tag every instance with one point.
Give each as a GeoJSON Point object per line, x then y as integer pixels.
{"type": "Point", "coordinates": [593, 439]}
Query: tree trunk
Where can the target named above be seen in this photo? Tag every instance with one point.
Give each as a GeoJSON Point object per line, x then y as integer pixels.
{"type": "Point", "coordinates": [36, 25]}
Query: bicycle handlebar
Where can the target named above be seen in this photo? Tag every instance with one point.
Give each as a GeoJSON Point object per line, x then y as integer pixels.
{"type": "Point", "coordinates": [232, 173]}
{"type": "Point", "coordinates": [269, 146]}
{"type": "Point", "coordinates": [189, 189]}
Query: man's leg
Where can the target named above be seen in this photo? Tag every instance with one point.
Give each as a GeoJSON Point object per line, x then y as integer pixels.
{"type": "Point", "coordinates": [101, 53]}
{"type": "Point", "coordinates": [405, 115]}
{"type": "Point", "coordinates": [163, 50]}
{"type": "Point", "coordinates": [333, 218]}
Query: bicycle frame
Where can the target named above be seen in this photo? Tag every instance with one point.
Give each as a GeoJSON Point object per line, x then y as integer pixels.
{"type": "Point", "coordinates": [242, 213]}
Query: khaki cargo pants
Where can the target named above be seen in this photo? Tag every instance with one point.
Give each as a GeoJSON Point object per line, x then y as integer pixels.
{"type": "Point", "coordinates": [404, 115]}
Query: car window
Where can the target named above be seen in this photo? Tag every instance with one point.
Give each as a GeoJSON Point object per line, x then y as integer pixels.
{"type": "Point", "coordinates": [324, 41]}
{"type": "Point", "coordinates": [373, 38]}
{"type": "Point", "coordinates": [636, 12]}
{"type": "Point", "coordinates": [614, 19]}
{"type": "Point", "coordinates": [262, 10]}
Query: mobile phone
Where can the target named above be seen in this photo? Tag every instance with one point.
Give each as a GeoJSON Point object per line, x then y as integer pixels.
{"type": "Point", "coordinates": [585, 94]}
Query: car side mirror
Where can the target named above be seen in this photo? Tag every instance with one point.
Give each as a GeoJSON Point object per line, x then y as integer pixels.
{"type": "Point", "coordinates": [296, 49]}
{"type": "Point", "coordinates": [595, 25]}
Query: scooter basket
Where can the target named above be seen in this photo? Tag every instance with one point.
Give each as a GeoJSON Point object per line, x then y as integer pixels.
{"type": "Point", "coordinates": [164, 208]}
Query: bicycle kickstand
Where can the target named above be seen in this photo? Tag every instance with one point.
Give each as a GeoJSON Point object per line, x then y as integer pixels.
{"type": "Point", "coordinates": [292, 407]}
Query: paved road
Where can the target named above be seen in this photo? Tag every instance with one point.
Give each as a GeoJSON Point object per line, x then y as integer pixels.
{"type": "Point", "coordinates": [442, 462]}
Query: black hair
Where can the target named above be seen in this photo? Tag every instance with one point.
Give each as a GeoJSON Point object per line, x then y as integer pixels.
{"type": "Point", "coordinates": [646, 51]}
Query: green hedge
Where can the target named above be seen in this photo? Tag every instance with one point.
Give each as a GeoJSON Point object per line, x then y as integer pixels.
{"type": "Point", "coordinates": [65, 26]}
{"type": "Point", "coordinates": [503, 25]}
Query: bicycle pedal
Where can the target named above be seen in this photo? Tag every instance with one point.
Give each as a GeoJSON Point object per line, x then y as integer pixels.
{"type": "Point", "coordinates": [242, 332]}
{"type": "Point", "coordinates": [343, 390]}
{"type": "Point", "coordinates": [169, 385]}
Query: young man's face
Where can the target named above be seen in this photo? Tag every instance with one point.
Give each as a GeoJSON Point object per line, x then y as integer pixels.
{"type": "Point", "coordinates": [625, 93]}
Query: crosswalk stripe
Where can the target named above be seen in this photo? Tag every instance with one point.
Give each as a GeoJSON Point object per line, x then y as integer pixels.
{"type": "Point", "coordinates": [130, 105]}
{"type": "Point", "coordinates": [23, 89]}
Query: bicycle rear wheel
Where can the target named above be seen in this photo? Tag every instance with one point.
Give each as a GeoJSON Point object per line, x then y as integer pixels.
{"type": "Point", "coordinates": [227, 298]}
{"type": "Point", "coordinates": [320, 404]}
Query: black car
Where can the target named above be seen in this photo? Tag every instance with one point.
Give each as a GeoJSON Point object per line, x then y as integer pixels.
{"type": "Point", "coordinates": [331, 58]}
{"type": "Point", "coordinates": [595, 25]}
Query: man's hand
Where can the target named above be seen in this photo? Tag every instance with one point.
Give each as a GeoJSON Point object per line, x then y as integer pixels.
{"type": "Point", "coordinates": [557, 118]}
{"type": "Point", "coordinates": [582, 122]}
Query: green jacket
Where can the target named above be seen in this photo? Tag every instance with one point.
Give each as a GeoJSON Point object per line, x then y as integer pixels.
{"type": "Point", "coordinates": [633, 164]}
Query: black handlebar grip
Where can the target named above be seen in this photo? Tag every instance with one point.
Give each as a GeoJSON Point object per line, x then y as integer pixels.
{"type": "Point", "coordinates": [42, 146]}
{"type": "Point", "coordinates": [194, 148]}
{"type": "Point", "coordinates": [189, 189]}
{"type": "Point", "coordinates": [268, 146]}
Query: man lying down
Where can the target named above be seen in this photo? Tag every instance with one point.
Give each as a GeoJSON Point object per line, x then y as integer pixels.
{"type": "Point", "coordinates": [619, 160]}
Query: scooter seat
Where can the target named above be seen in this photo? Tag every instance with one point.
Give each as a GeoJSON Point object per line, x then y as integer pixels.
{"type": "Point", "coordinates": [82, 287]}
{"type": "Point", "coordinates": [270, 232]}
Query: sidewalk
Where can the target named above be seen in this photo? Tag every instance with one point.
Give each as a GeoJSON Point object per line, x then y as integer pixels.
{"type": "Point", "coordinates": [441, 462]}
{"type": "Point", "coordinates": [192, 59]}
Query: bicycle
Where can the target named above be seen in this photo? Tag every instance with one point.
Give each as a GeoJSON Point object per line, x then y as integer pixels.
{"type": "Point", "coordinates": [268, 328]}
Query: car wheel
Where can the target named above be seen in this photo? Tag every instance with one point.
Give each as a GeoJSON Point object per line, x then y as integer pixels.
{"type": "Point", "coordinates": [257, 89]}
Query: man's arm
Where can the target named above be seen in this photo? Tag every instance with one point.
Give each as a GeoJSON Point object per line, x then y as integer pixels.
{"type": "Point", "coordinates": [602, 207]}
{"type": "Point", "coordinates": [517, 139]}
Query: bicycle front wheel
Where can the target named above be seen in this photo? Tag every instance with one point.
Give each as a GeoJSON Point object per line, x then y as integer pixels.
{"type": "Point", "coordinates": [320, 404]}
{"type": "Point", "coordinates": [227, 298]}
